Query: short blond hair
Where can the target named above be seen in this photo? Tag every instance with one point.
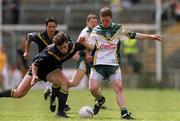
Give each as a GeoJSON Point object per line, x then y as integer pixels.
{"type": "Point", "coordinates": [91, 16]}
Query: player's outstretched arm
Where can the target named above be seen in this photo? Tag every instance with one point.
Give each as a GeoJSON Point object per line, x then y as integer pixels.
{"type": "Point", "coordinates": [27, 48]}
{"type": "Point", "coordinates": [88, 57]}
{"type": "Point", "coordinates": [76, 56]}
{"type": "Point", "coordinates": [149, 36]}
{"type": "Point", "coordinates": [85, 43]}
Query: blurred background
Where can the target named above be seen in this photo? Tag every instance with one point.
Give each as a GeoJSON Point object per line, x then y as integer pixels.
{"type": "Point", "coordinates": [155, 65]}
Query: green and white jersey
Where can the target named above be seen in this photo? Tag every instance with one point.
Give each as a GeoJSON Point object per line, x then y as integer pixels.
{"type": "Point", "coordinates": [107, 42]}
{"type": "Point", "coordinates": [85, 33]}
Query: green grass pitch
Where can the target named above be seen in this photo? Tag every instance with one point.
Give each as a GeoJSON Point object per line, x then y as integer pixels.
{"type": "Point", "coordinates": [145, 104]}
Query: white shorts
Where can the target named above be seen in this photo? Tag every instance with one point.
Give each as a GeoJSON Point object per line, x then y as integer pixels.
{"type": "Point", "coordinates": [97, 76]}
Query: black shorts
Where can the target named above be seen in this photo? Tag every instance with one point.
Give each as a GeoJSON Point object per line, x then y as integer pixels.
{"type": "Point", "coordinates": [43, 73]}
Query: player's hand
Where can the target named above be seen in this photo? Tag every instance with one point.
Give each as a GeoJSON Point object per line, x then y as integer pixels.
{"type": "Point", "coordinates": [157, 37]}
{"type": "Point", "coordinates": [34, 80]}
{"type": "Point", "coordinates": [26, 55]}
{"type": "Point", "coordinates": [82, 39]}
{"type": "Point", "coordinates": [76, 57]}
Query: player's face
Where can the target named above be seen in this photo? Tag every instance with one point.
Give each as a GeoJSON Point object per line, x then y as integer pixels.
{"type": "Point", "coordinates": [92, 23]}
{"type": "Point", "coordinates": [51, 28]}
{"type": "Point", "coordinates": [63, 48]}
{"type": "Point", "coordinates": [106, 21]}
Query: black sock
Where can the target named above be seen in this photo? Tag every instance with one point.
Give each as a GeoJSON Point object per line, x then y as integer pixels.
{"type": "Point", "coordinates": [62, 98]}
{"type": "Point", "coordinates": [5, 93]}
{"type": "Point", "coordinates": [55, 91]}
{"type": "Point", "coordinates": [124, 111]}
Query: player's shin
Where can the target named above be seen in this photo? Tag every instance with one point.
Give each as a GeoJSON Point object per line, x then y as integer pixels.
{"type": "Point", "coordinates": [62, 98]}
{"type": "Point", "coordinates": [55, 90]}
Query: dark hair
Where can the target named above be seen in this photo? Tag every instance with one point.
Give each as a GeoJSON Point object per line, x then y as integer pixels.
{"type": "Point", "coordinates": [105, 12]}
{"type": "Point", "coordinates": [60, 38]}
{"type": "Point", "coordinates": [91, 16]}
{"type": "Point", "coordinates": [50, 19]}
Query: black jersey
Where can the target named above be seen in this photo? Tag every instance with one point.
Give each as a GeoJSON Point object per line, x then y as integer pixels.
{"type": "Point", "coordinates": [51, 58]}
{"type": "Point", "coordinates": [40, 38]}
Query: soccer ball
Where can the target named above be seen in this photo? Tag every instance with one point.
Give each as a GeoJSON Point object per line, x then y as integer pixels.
{"type": "Point", "coordinates": [86, 112]}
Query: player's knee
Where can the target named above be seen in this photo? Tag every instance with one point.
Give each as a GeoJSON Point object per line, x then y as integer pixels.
{"type": "Point", "coordinates": [64, 83]}
{"type": "Point", "coordinates": [118, 89]}
{"type": "Point", "coordinates": [93, 88]}
{"type": "Point", "coordinates": [17, 94]}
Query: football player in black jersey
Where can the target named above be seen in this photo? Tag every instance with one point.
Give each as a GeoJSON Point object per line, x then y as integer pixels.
{"type": "Point", "coordinates": [43, 39]}
{"type": "Point", "coordinates": [46, 67]}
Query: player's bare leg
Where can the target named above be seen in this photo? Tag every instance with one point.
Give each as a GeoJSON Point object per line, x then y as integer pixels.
{"type": "Point", "coordinates": [95, 89]}
{"type": "Point", "coordinates": [57, 77]}
{"type": "Point", "coordinates": [117, 86]}
{"type": "Point", "coordinates": [77, 77]}
{"type": "Point", "coordinates": [21, 90]}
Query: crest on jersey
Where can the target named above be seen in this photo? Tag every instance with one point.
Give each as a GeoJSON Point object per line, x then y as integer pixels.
{"type": "Point", "coordinates": [108, 36]}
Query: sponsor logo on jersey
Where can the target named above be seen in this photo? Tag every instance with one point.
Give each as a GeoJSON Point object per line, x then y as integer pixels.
{"type": "Point", "coordinates": [108, 46]}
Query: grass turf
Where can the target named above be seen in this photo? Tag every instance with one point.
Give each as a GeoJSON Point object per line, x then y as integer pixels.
{"type": "Point", "coordinates": [146, 105]}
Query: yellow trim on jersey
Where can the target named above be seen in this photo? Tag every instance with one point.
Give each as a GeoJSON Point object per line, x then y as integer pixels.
{"type": "Point", "coordinates": [53, 54]}
{"type": "Point", "coordinates": [104, 38]}
{"type": "Point", "coordinates": [116, 34]}
{"type": "Point", "coordinates": [43, 40]}
{"type": "Point", "coordinates": [126, 32]}
{"type": "Point", "coordinates": [112, 38]}
{"type": "Point", "coordinates": [57, 57]}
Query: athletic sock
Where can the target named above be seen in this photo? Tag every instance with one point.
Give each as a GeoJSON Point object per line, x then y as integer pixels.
{"type": "Point", "coordinates": [62, 98]}
{"type": "Point", "coordinates": [124, 111]}
{"type": "Point", "coordinates": [6, 93]}
{"type": "Point", "coordinates": [100, 98]}
{"type": "Point", "coordinates": [55, 91]}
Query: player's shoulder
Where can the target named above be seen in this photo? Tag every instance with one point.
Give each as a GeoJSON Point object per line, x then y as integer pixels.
{"type": "Point", "coordinates": [85, 32]}
{"type": "Point", "coordinates": [100, 29]}
{"type": "Point", "coordinates": [51, 49]}
{"type": "Point", "coordinates": [97, 29]}
{"type": "Point", "coordinates": [32, 36]}
{"type": "Point", "coordinates": [36, 34]}
{"type": "Point", "coordinates": [116, 26]}
{"type": "Point", "coordinates": [86, 29]}
{"type": "Point", "coordinates": [50, 46]}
